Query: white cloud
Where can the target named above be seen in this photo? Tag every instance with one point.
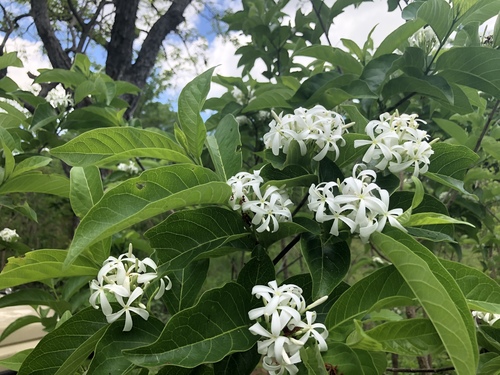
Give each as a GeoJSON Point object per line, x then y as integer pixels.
{"type": "Point", "coordinates": [31, 54]}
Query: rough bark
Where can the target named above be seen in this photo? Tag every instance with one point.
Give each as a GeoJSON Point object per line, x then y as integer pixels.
{"type": "Point", "coordinates": [57, 57]}
{"type": "Point", "coordinates": [120, 47]}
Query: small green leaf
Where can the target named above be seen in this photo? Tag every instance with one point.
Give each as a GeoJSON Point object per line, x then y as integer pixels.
{"type": "Point", "coordinates": [451, 160]}
{"type": "Point", "coordinates": [85, 189]}
{"type": "Point", "coordinates": [35, 296]}
{"type": "Point", "coordinates": [333, 55]}
{"type": "Point", "coordinates": [18, 324]}
{"type": "Point", "coordinates": [216, 327]}
{"type": "Point", "coordinates": [10, 59]}
{"type": "Point", "coordinates": [155, 191]}
{"type": "Point", "coordinates": [70, 79]}
{"type": "Point", "coordinates": [14, 363]}
{"type": "Point", "coordinates": [439, 15]}
{"type": "Point", "coordinates": [191, 100]}
{"type": "Point", "coordinates": [29, 164]}
{"type": "Point", "coordinates": [399, 36]}
{"type": "Point", "coordinates": [225, 148]}
{"type": "Point", "coordinates": [453, 129]}
{"type": "Point", "coordinates": [109, 145]}
{"type": "Point", "coordinates": [311, 358]}
{"type": "Point", "coordinates": [430, 218]}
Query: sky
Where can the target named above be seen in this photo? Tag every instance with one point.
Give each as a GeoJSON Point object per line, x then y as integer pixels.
{"type": "Point", "coordinates": [354, 23]}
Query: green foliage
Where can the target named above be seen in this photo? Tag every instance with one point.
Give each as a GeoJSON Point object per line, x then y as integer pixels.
{"type": "Point", "coordinates": [173, 201]}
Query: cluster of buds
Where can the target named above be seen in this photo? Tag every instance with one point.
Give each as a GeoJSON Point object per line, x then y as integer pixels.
{"type": "Point", "coordinates": [358, 202]}
{"type": "Point", "coordinates": [269, 208]}
{"type": "Point", "coordinates": [285, 325]}
{"type": "Point", "coordinates": [397, 143]}
{"type": "Point", "coordinates": [316, 126]}
{"type": "Point", "coordinates": [9, 235]}
{"type": "Point", "coordinates": [124, 280]}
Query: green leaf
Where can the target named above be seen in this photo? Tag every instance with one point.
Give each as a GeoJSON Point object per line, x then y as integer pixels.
{"type": "Point", "coordinates": [110, 145]}
{"type": "Point", "coordinates": [70, 79]}
{"type": "Point", "coordinates": [186, 235]}
{"type": "Point", "coordinates": [155, 191]}
{"type": "Point", "coordinates": [478, 11]}
{"type": "Point", "coordinates": [85, 189]}
{"type": "Point", "coordinates": [489, 364]}
{"type": "Point", "coordinates": [437, 292]}
{"type": "Point", "coordinates": [453, 129]}
{"type": "Point", "coordinates": [108, 357]}
{"type": "Point", "coordinates": [63, 350]}
{"type": "Point", "coordinates": [378, 70]}
{"type": "Point", "coordinates": [432, 86]}
{"type": "Point", "coordinates": [354, 361]}
{"type": "Point", "coordinates": [271, 99]}
{"type": "Point", "coordinates": [257, 271]}
{"type": "Point", "coordinates": [348, 153]}
{"type": "Point", "coordinates": [44, 115]}
{"type": "Point", "coordinates": [399, 36]}
{"type": "Point", "coordinates": [451, 160]}
{"type": "Point", "coordinates": [241, 363]}
{"type": "Point", "coordinates": [14, 363]}
{"type": "Point", "coordinates": [186, 285]}
{"type": "Point", "coordinates": [35, 296]}
{"type": "Point", "coordinates": [383, 288]}
{"type": "Point", "coordinates": [205, 333]}
{"type": "Point", "coordinates": [333, 55]}
{"type": "Point", "coordinates": [476, 67]}
{"type": "Point", "coordinates": [355, 116]}
{"type": "Point", "coordinates": [33, 182]}
{"type": "Point", "coordinates": [83, 90]}
{"type": "Point", "coordinates": [450, 182]}
{"type": "Point", "coordinates": [311, 358]}
{"type": "Point", "coordinates": [92, 117]}
{"type": "Point", "coordinates": [10, 59]}
{"type": "Point", "coordinates": [287, 229]}
{"type": "Point", "coordinates": [29, 164]}
{"type": "Point", "coordinates": [40, 265]}
{"type": "Point", "coordinates": [10, 162]}
{"type": "Point", "coordinates": [328, 263]}
{"type": "Point", "coordinates": [225, 148]}
{"type": "Point", "coordinates": [413, 337]}
{"type": "Point", "coordinates": [191, 100]}
{"type": "Point", "coordinates": [439, 15]}
{"type": "Point", "coordinates": [429, 218]}
{"type": "Point", "coordinates": [19, 323]}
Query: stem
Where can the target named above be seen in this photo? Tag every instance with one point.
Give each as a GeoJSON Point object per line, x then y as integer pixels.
{"type": "Point", "coordinates": [317, 11]}
{"type": "Point", "coordinates": [286, 249]}
{"type": "Point", "coordinates": [299, 206]}
{"type": "Point", "coordinates": [420, 370]}
{"type": "Point", "coordinates": [487, 125]}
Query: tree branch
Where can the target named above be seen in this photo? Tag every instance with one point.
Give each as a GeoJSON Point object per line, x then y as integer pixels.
{"type": "Point", "coordinates": [120, 46]}
{"type": "Point", "coordinates": [58, 58]}
{"type": "Point", "coordinates": [420, 370]}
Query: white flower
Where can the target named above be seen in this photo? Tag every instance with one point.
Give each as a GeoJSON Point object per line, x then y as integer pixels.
{"type": "Point", "coordinates": [309, 328]}
{"type": "Point", "coordinates": [486, 317]}
{"type": "Point", "coordinates": [129, 168]}
{"type": "Point", "coordinates": [242, 184]}
{"type": "Point", "coordinates": [9, 235]}
{"type": "Point", "coordinates": [127, 308]}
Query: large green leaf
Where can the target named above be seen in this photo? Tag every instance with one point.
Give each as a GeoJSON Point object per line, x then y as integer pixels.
{"type": "Point", "coordinates": [257, 271]}
{"type": "Point", "coordinates": [216, 327]}
{"type": "Point", "coordinates": [489, 364]}
{"type": "Point", "coordinates": [225, 148]}
{"type": "Point", "coordinates": [437, 292]}
{"type": "Point", "coordinates": [109, 145]}
{"type": "Point", "coordinates": [186, 285]}
{"type": "Point", "coordinates": [383, 288]}
{"type": "Point", "coordinates": [85, 189]}
{"type": "Point", "coordinates": [191, 100]}
{"type": "Point", "coordinates": [137, 199]}
{"type": "Point", "coordinates": [477, 11]}
{"type": "Point", "coordinates": [333, 55]}
{"type": "Point", "coordinates": [451, 160]}
{"type": "Point", "coordinates": [345, 360]}
{"type": "Point", "coordinates": [438, 15]}
{"type": "Point", "coordinates": [476, 67]}
{"type": "Point", "coordinates": [414, 337]}
{"type": "Point", "coordinates": [66, 77]}
{"type": "Point", "coordinates": [187, 234]}
{"type": "Point", "coordinates": [63, 350]}
{"type": "Point", "coordinates": [29, 164]}
{"type": "Point", "coordinates": [432, 86]}
{"type": "Point", "coordinates": [41, 265]}
{"type": "Point", "coordinates": [35, 182]}
{"type": "Point", "coordinates": [328, 263]}
{"type": "Point", "coordinates": [108, 357]}
{"type": "Point", "coordinates": [276, 98]}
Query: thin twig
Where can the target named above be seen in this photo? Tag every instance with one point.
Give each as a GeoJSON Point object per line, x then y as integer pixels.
{"type": "Point", "coordinates": [286, 249]}
{"type": "Point", "coordinates": [486, 126]}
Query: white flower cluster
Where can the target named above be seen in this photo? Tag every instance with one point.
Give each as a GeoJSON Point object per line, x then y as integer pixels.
{"type": "Point", "coordinates": [284, 330]}
{"type": "Point", "coordinates": [316, 126]}
{"type": "Point", "coordinates": [59, 98]}
{"type": "Point", "coordinates": [397, 143]}
{"type": "Point", "coordinates": [486, 317]}
{"type": "Point", "coordinates": [268, 208]}
{"type": "Point", "coordinates": [357, 201]}
{"type": "Point", "coordinates": [9, 235]}
{"type": "Point", "coordinates": [129, 168]}
{"type": "Point", "coordinates": [125, 277]}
